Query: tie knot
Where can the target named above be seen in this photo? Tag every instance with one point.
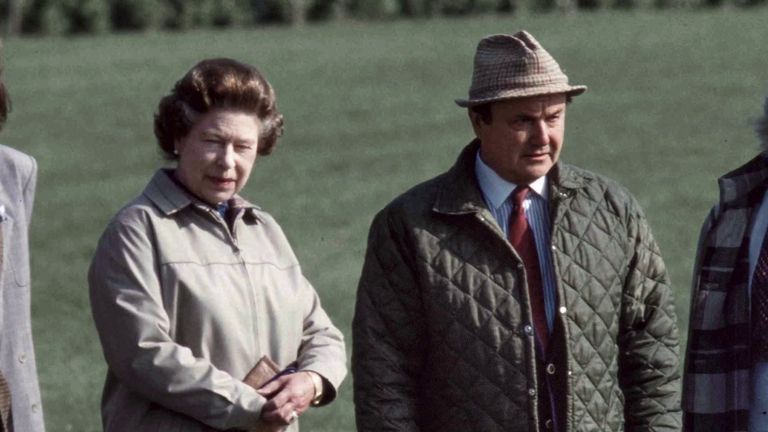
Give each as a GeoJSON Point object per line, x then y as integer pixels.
{"type": "Point", "coordinates": [519, 194]}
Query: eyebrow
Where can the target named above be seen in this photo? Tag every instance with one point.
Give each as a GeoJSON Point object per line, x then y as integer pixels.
{"type": "Point", "coordinates": [223, 135]}
{"type": "Point", "coordinates": [555, 112]}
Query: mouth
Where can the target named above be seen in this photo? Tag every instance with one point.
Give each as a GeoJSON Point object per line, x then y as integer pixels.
{"type": "Point", "coordinates": [222, 182]}
{"type": "Point", "coordinates": [537, 156]}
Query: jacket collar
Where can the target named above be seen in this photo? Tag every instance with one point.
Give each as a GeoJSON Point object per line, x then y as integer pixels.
{"type": "Point", "coordinates": [171, 198]}
{"type": "Point", "coordinates": [744, 184]}
{"type": "Point", "coordinates": [459, 191]}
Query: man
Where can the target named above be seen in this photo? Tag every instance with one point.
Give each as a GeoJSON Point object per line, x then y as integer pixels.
{"type": "Point", "coordinates": [726, 370]}
{"type": "Point", "coordinates": [515, 292]}
{"type": "Point", "coordinates": [20, 407]}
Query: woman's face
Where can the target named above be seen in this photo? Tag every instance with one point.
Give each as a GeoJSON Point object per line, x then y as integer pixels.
{"type": "Point", "coordinates": [217, 155]}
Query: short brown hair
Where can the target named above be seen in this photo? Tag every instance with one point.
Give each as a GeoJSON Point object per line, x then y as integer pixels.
{"type": "Point", "coordinates": [5, 102]}
{"type": "Point", "coordinates": [217, 83]}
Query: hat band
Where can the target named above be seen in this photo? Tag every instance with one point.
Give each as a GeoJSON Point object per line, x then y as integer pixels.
{"type": "Point", "coordinates": [521, 83]}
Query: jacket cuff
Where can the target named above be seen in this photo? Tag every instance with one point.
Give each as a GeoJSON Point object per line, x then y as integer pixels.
{"type": "Point", "coordinates": [246, 408]}
{"type": "Point", "coordinates": [332, 377]}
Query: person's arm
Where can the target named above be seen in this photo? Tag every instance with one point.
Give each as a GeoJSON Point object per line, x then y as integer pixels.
{"type": "Point", "coordinates": [648, 340]}
{"type": "Point", "coordinates": [127, 306]}
{"type": "Point", "coordinates": [29, 189]}
{"type": "Point", "coordinates": [388, 335]}
{"type": "Point", "coordinates": [321, 356]}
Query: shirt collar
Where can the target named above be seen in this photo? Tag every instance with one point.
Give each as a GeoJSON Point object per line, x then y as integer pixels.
{"type": "Point", "coordinates": [171, 196]}
{"type": "Point", "coordinates": [496, 190]}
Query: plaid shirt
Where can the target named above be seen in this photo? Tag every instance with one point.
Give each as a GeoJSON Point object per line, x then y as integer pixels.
{"type": "Point", "coordinates": [716, 386]}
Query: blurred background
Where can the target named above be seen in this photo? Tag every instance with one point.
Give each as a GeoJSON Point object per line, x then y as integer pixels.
{"type": "Point", "coordinates": [367, 89]}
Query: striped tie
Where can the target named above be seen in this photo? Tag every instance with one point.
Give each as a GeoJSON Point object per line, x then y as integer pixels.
{"type": "Point", "coordinates": [521, 238]}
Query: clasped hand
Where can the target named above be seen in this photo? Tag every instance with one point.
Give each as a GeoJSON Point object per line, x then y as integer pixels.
{"type": "Point", "coordinates": [287, 397]}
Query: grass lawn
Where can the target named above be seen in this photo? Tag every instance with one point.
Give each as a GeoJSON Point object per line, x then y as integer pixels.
{"type": "Point", "coordinates": [369, 111]}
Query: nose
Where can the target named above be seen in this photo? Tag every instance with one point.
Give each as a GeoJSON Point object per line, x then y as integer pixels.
{"type": "Point", "coordinates": [226, 156]}
{"type": "Point", "coordinates": [540, 133]}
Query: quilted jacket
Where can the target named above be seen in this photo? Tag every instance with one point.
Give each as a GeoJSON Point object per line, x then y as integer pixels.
{"type": "Point", "coordinates": [441, 336]}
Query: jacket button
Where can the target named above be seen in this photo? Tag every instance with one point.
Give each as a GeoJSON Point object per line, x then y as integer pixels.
{"type": "Point", "coordinates": [528, 329]}
{"type": "Point", "coordinates": [554, 248]}
{"type": "Point", "coordinates": [520, 266]}
{"type": "Point", "coordinates": [548, 424]}
{"type": "Point", "coordinates": [551, 369]}
{"type": "Point", "coordinates": [563, 310]}
{"type": "Point", "coordinates": [531, 392]}
{"type": "Point", "coordinates": [34, 408]}
{"type": "Point", "coordinates": [570, 372]}
{"type": "Point", "coordinates": [22, 358]}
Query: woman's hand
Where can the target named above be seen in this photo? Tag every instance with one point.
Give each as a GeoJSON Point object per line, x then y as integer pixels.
{"type": "Point", "coordinates": [289, 396]}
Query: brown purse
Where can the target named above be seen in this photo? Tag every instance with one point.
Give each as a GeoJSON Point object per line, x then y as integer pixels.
{"type": "Point", "coordinates": [262, 373]}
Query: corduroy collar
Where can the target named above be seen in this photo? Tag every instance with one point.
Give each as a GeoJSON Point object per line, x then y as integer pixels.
{"type": "Point", "coordinates": [740, 185]}
{"type": "Point", "coordinates": [460, 192]}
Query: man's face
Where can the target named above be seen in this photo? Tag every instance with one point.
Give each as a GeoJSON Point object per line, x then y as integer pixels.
{"type": "Point", "coordinates": [524, 138]}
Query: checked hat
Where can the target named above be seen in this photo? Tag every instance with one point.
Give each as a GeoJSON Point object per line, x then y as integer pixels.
{"type": "Point", "coordinates": [511, 66]}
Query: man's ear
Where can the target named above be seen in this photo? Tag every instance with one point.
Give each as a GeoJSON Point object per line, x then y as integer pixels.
{"type": "Point", "coordinates": [476, 120]}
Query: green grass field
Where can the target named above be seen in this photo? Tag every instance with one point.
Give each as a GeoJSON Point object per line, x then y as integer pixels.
{"type": "Point", "coordinates": [369, 111]}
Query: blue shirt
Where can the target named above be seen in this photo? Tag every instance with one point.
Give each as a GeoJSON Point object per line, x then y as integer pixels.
{"type": "Point", "coordinates": [497, 194]}
{"type": "Point", "coordinates": [758, 419]}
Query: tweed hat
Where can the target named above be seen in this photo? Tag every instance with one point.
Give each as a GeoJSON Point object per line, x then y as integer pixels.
{"type": "Point", "coordinates": [511, 66]}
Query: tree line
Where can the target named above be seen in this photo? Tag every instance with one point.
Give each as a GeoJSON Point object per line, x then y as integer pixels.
{"type": "Point", "coordinates": [97, 16]}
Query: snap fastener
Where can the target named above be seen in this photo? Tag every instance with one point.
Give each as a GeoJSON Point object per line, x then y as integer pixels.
{"type": "Point", "coordinates": [531, 392]}
{"type": "Point", "coordinates": [548, 424]}
{"type": "Point", "coordinates": [563, 309]}
{"type": "Point", "coordinates": [551, 369]}
{"type": "Point", "coordinates": [528, 329]}
{"type": "Point", "coordinates": [22, 358]}
{"type": "Point", "coordinates": [34, 408]}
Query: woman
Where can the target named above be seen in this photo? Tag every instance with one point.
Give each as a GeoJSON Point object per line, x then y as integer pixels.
{"type": "Point", "coordinates": [191, 285]}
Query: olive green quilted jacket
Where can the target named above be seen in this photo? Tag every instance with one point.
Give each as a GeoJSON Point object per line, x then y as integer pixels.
{"type": "Point", "coordinates": [439, 340]}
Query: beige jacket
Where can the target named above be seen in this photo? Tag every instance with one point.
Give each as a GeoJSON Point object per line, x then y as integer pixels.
{"type": "Point", "coordinates": [185, 307]}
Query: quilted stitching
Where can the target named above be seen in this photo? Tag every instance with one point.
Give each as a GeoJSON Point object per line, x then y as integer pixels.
{"type": "Point", "coordinates": [438, 341]}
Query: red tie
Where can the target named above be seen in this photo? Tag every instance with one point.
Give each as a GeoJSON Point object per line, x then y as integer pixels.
{"type": "Point", "coordinates": [521, 238]}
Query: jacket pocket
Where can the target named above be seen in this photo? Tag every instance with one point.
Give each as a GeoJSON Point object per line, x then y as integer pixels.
{"type": "Point", "coordinates": [14, 257]}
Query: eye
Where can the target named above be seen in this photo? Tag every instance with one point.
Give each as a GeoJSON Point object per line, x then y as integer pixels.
{"type": "Point", "coordinates": [553, 118]}
{"type": "Point", "coordinates": [521, 122]}
{"type": "Point", "coordinates": [243, 148]}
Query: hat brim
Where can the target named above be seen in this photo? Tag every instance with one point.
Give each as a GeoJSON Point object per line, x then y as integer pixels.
{"type": "Point", "coordinates": [520, 93]}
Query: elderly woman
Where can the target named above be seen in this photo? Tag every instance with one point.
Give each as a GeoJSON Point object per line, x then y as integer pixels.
{"type": "Point", "coordinates": [191, 285]}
